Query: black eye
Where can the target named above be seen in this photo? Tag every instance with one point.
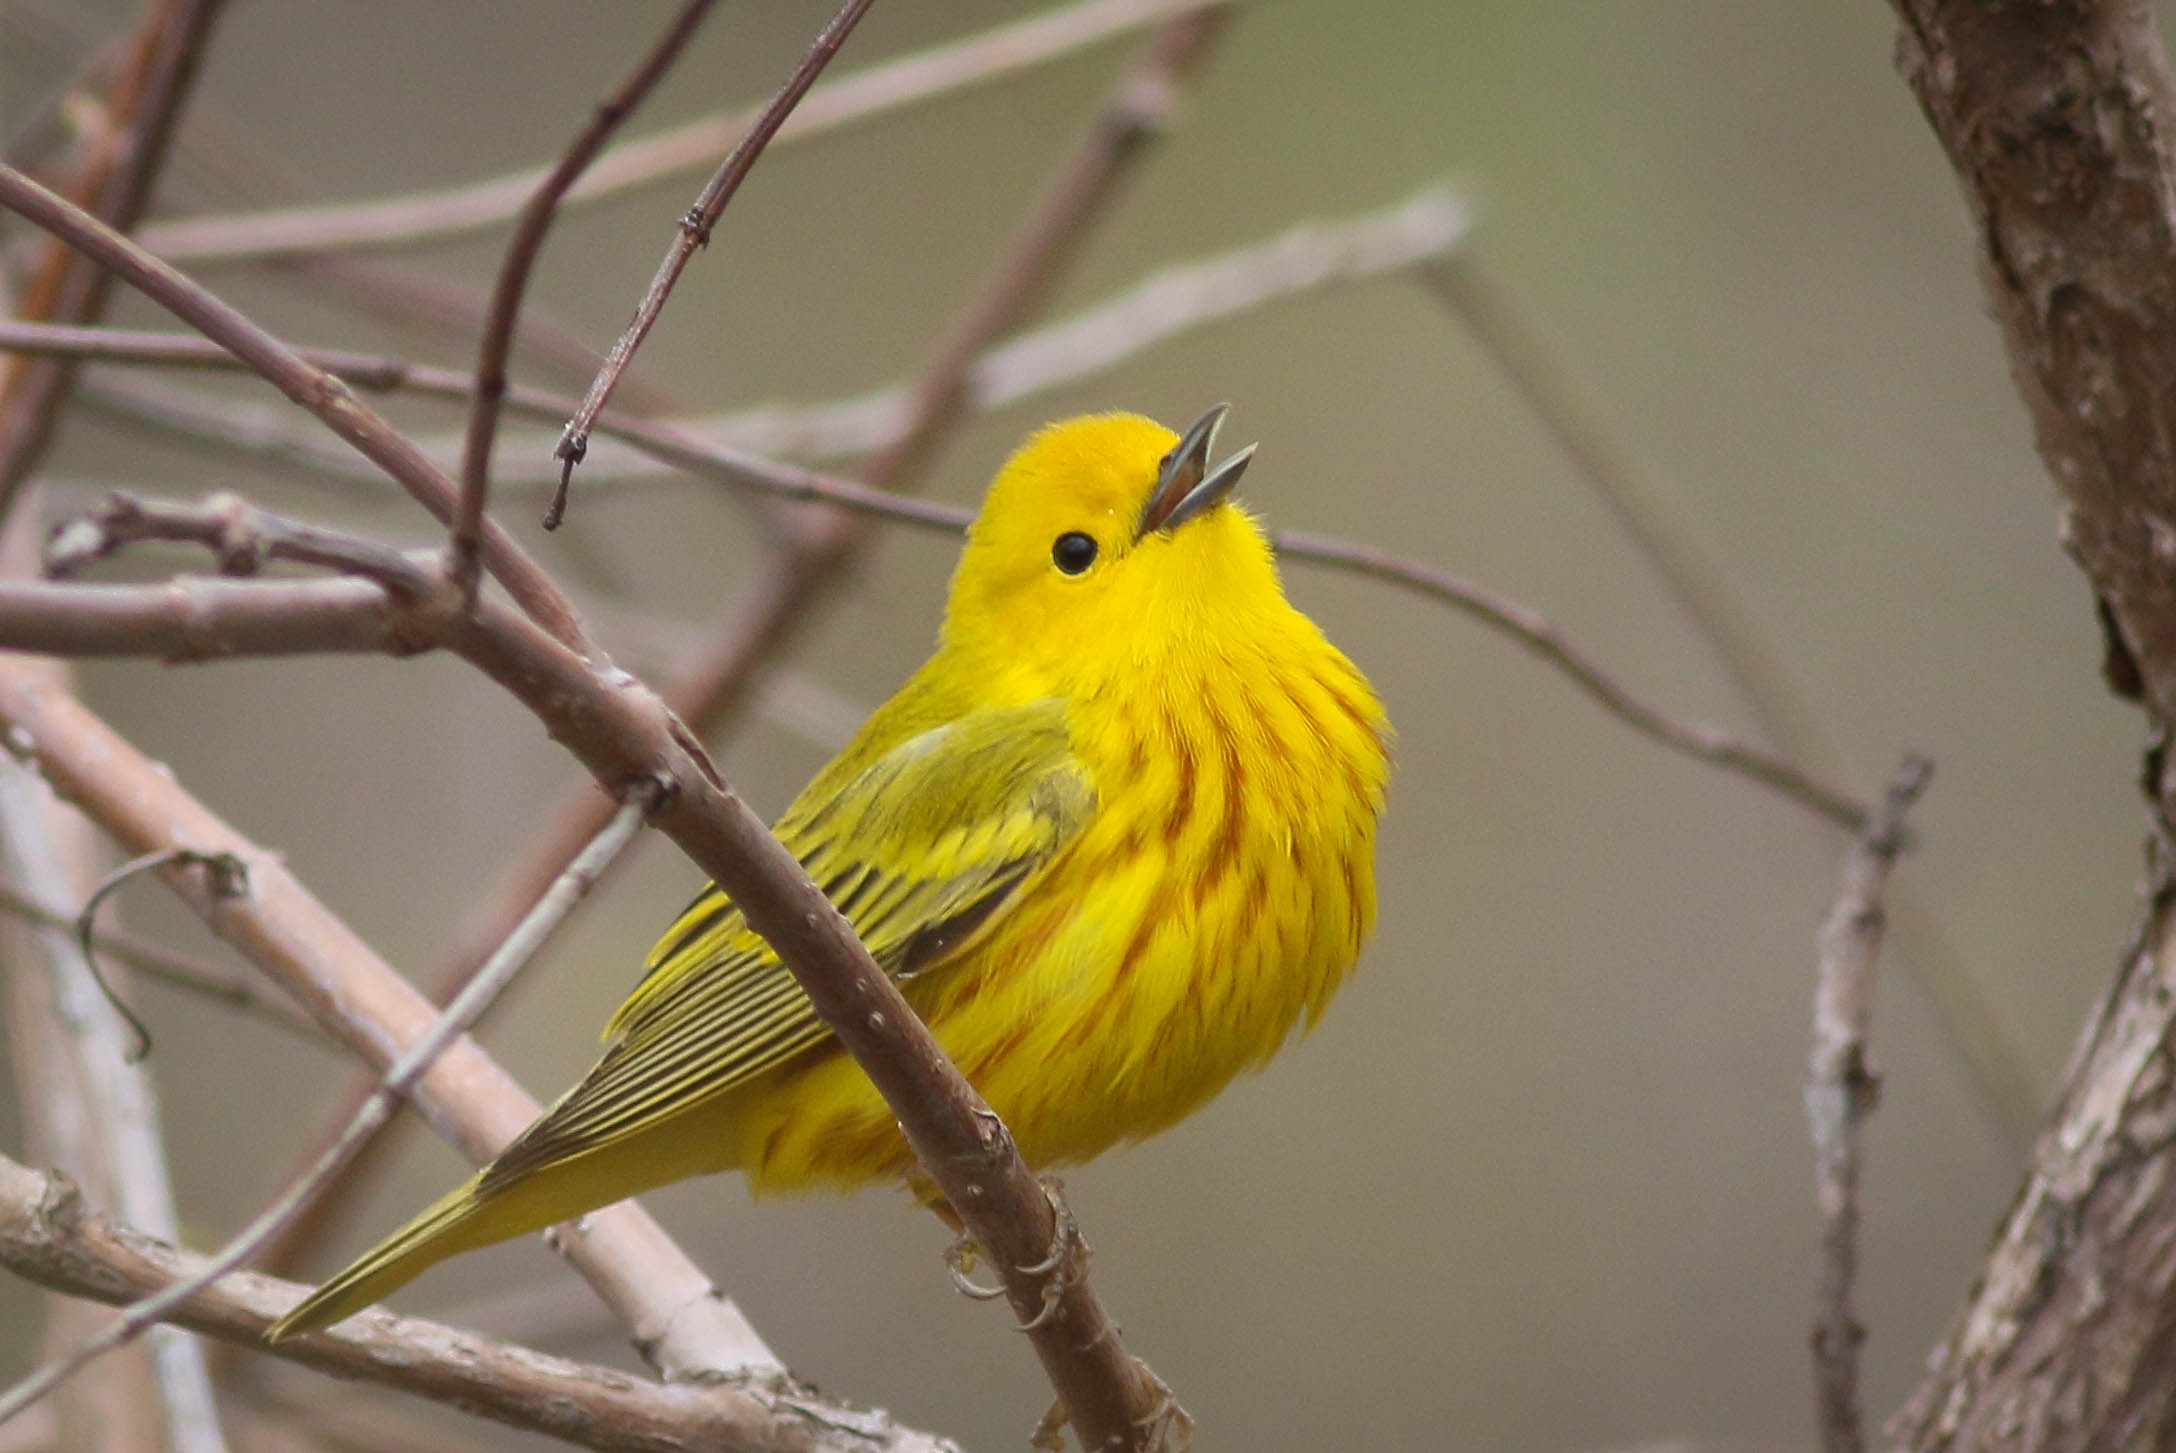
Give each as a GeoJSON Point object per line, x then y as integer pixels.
{"type": "Point", "coordinates": [1074, 552]}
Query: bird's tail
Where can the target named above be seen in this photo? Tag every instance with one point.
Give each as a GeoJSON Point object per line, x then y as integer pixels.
{"type": "Point", "coordinates": [471, 1216]}
{"type": "Point", "coordinates": [461, 1220]}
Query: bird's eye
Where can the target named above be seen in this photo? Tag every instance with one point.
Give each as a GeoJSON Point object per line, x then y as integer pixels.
{"type": "Point", "coordinates": [1073, 552]}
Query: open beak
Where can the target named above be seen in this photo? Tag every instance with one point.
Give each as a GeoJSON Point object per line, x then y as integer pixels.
{"type": "Point", "coordinates": [1186, 486]}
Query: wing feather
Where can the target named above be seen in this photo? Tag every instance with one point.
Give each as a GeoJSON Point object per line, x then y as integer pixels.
{"type": "Point", "coordinates": [923, 851]}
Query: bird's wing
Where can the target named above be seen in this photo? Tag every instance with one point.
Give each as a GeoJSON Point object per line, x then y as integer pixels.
{"type": "Point", "coordinates": [922, 850]}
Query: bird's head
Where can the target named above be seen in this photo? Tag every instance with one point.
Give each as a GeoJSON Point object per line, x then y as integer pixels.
{"type": "Point", "coordinates": [1107, 541]}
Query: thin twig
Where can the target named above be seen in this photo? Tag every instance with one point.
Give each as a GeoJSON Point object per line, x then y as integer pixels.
{"type": "Point", "coordinates": [311, 387]}
{"type": "Point", "coordinates": [227, 876]}
{"type": "Point", "coordinates": [179, 971]}
{"type": "Point", "coordinates": [1841, 1090]}
{"type": "Point", "coordinates": [513, 282]}
{"type": "Point", "coordinates": [694, 231]}
{"type": "Point", "coordinates": [139, 1316]}
{"type": "Point", "coordinates": [115, 186]}
{"type": "Point", "coordinates": [48, 1235]}
{"type": "Point", "coordinates": [877, 90]}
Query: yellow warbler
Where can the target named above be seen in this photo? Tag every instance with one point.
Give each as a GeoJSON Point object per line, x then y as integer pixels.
{"type": "Point", "coordinates": [1114, 839]}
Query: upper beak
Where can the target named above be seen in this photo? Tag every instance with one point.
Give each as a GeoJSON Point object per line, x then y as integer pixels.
{"type": "Point", "coordinates": [1186, 487]}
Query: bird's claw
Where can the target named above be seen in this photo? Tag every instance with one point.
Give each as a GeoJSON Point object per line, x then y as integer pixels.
{"type": "Point", "coordinates": [1058, 1268]}
{"type": "Point", "coordinates": [1058, 1265]}
{"type": "Point", "coordinates": [959, 1259]}
{"type": "Point", "coordinates": [1167, 1427]}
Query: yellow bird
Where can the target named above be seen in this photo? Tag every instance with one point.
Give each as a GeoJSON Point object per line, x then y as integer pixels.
{"type": "Point", "coordinates": [1115, 839]}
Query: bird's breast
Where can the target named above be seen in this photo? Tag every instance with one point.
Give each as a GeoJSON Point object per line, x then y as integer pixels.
{"type": "Point", "coordinates": [1217, 898]}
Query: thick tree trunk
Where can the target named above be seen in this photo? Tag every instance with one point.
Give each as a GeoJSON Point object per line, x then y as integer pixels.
{"type": "Point", "coordinates": [2053, 113]}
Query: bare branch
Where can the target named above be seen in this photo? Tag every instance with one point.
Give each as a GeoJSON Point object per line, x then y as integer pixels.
{"type": "Point", "coordinates": [513, 282]}
{"type": "Point", "coordinates": [156, 77]}
{"type": "Point", "coordinates": [48, 1235]}
{"type": "Point", "coordinates": [907, 80]}
{"type": "Point", "coordinates": [1841, 1090]}
{"type": "Point", "coordinates": [311, 387]}
{"type": "Point", "coordinates": [141, 1316]}
{"type": "Point", "coordinates": [695, 230]}
{"type": "Point", "coordinates": [1700, 742]}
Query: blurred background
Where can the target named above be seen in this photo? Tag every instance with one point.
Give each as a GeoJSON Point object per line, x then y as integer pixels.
{"type": "Point", "coordinates": [1541, 1178]}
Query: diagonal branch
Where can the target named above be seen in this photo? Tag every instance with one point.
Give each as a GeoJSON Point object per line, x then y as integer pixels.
{"type": "Point", "coordinates": [156, 78]}
{"type": "Point", "coordinates": [146, 1313]}
{"type": "Point", "coordinates": [941, 70]}
{"type": "Point", "coordinates": [327, 397]}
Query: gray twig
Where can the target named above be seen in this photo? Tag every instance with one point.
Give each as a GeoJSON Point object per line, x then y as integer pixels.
{"type": "Point", "coordinates": [1841, 1090]}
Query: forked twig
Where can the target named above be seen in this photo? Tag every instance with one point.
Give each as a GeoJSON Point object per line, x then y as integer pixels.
{"type": "Point", "coordinates": [512, 283]}
{"type": "Point", "coordinates": [694, 231]}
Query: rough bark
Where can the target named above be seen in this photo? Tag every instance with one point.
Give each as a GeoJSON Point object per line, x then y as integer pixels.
{"type": "Point", "coordinates": [2053, 114]}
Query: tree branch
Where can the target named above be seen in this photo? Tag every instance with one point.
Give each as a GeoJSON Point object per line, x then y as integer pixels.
{"type": "Point", "coordinates": [1841, 1090]}
{"type": "Point", "coordinates": [48, 1235]}
{"type": "Point", "coordinates": [2053, 117]}
{"type": "Point", "coordinates": [115, 185]}
{"type": "Point", "coordinates": [874, 91]}
{"type": "Point", "coordinates": [311, 387]}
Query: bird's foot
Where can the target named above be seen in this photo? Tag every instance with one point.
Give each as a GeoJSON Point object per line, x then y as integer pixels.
{"type": "Point", "coordinates": [959, 1259]}
{"type": "Point", "coordinates": [1167, 1427]}
{"type": "Point", "coordinates": [1060, 1266]}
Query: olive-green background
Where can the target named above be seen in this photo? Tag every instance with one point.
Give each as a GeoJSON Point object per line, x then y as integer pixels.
{"type": "Point", "coordinates": [1540, 1181]}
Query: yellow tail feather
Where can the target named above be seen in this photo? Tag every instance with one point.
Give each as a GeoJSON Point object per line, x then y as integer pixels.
{"type": "Point", "coordinates": [462, 1220]}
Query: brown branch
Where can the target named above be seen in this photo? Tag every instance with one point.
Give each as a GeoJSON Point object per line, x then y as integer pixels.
{"type": "Point", "coordinates": [1841, 1090]}
{"type": "Point", "coordinates": [694, 232]}
{"type": "Point", "coordinates": [2054, 117]}
{"type": "Point", "coordinates": [513, 282]}
{"type": "Point", "coordinates": [876, 90]}
{"type": "Point", "coordinates": [48, 1235]}
{"type": "Point", "coordinates": [1535, 634]}
{"type": "Point", "coordinates": [156, 78]}
{"type": "Point", "coordinates": [311, 387]}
